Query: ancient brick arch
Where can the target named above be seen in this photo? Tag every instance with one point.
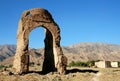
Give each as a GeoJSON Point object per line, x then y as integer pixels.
{"type": "Point", "coordinates": [54, 58]}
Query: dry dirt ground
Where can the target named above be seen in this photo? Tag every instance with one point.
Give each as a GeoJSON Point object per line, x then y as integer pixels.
{"type": "Point", "coordinates": [73, 74]}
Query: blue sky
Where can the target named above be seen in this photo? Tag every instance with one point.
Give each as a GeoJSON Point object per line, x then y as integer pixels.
{"type": "Point", "coordinates": [79, 20]}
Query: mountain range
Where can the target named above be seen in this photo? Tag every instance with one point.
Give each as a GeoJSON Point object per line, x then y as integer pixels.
{"type": "Point", "coordinates": [84, 51]}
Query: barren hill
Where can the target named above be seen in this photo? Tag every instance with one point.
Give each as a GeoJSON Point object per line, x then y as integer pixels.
{"type": "Point", "coordinates": [93, 51]}
{"type": "Point", "coordinates": [81, 51]}
{"type": "Point", "coordinates": [7, 51]}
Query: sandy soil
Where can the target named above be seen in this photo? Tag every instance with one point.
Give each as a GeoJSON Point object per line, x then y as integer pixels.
{"type": "Point", "coordinates": [73, 74]}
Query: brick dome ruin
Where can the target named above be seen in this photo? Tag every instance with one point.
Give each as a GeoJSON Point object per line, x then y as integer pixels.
{"type": "Point", "coordinates": [54, 60]}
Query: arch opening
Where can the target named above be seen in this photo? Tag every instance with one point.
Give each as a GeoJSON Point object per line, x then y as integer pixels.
{"type": "Point", "coordinates": [47, 63]}
{"type": "Point", "coordinates": [36, 49]}
{"type": "Point", "coordinates": [36, 38]}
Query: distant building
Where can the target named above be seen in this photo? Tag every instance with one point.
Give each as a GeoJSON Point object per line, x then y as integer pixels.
{"type": "Point", "coordinates": [114, 64]}
{"type": "Point", "coordinates": [107, 64]}
{"type": "Point", "coordinates": [103, 64]}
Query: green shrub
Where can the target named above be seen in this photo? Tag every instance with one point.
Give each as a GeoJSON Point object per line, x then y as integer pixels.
{"type": "Point", "coordinates": [2, 66]}
{"type": "Point", "coordinates": [10, 66]}
{"type": "Point", "coordinates": [71, 64]}
{"type": "Point", "coordinates": [90, 63]}
{"type": "Point", "coordinates": [82, 64]}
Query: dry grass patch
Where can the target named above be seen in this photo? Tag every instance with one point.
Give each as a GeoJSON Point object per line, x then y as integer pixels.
{"type": "Point", "coordinates": [110, 74]}
{"type": "Point", "coordinates": [73, 74]}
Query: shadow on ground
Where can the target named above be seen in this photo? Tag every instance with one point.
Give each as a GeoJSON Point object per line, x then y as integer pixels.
{"type": "Point", "coordinates": [38, 72]}
{"type": "Point", "coordinates": [75, 70]}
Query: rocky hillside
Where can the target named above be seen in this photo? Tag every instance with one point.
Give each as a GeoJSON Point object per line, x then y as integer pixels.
{"type": "Point", "coordinates": [7, 51]}
{"type": "Point", "coordinates": [93, 51]}
{"type": "Point", "coordinates": [80, 51]}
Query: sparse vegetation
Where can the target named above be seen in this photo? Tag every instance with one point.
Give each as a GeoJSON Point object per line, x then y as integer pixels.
{"type": "Point", "coordinates": [2, 66]}
{"type": "Point", "coordinates": [10, 66]}
{"type": "Point", "coordinates": [81, 64]}
{"type": "Point", "coordinates": [85, 74]}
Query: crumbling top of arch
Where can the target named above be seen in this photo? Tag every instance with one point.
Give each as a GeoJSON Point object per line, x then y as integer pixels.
{"type": "Point", "coordinates": [36, 17]}
{"type": "Point", "coordinates": [38, 14]}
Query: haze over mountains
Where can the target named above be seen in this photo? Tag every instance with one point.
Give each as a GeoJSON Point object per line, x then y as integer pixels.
{"type": "Point", "coordinates": [7, 51]}
{"type": "Point", "coordinates": [81, 51]}
{"type": "Point", "coordinates": [93, 51]}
